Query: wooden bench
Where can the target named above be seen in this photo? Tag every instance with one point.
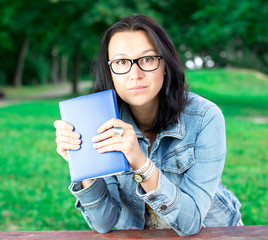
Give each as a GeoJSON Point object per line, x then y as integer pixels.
{"type": "Point", "coordinates": [218, 233]}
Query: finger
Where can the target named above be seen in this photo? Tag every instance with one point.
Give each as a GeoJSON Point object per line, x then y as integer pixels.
{"type": "Point", "coordinates": [67, 133]}
{"type": "Point", "coordinates": [107, 142]}
{"type": "Point", "coordinates": [63, 146]}
{"type": "Point", "coordinates": [63, 124]}
{"type": "Point", "coordinates": [70, 140]}
{"type": "Point", "coordinates": [113, 147]}
{"type": "Point", "coordinates": [114, 122]}
{"type": "Point", "coordinates": [105, 135]}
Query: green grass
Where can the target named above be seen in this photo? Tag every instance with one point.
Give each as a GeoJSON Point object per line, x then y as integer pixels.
{"type": "Point", "coordinates": [34, 178]}
{"type": "Point", "coordinates": [246, 167]}
{"type": "Point", "coordinates": [238, 92]}
{"type": "Point", "coordinates": [243, 97]}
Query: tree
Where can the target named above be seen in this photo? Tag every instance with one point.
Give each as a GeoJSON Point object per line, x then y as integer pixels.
{"type": "Point", "coordinates": [20, 63]}
{"type": "Point", "coordinates": [232, 32]}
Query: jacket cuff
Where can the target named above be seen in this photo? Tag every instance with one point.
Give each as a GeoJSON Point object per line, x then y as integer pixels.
{"type": "Point", "coordinates": [164, 198]}
{"type": "Point", "coordinates": [90, 195]}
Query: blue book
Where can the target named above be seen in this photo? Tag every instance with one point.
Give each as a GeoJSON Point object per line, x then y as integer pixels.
{"type": "Point", "coordinates": [87, 113]}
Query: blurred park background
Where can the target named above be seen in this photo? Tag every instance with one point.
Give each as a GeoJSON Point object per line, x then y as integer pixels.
{"type": "Point", "coordinates": [47, 52]}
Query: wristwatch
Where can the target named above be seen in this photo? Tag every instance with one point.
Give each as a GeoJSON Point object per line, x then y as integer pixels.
{"type": "Point", "coordinates": [145, 176]}
{"type": "Point", "coordinates": [138, 178]}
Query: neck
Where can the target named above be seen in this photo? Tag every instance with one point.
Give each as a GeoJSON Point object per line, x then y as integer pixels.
{"type": "Point", "coordinates": [144, 115]}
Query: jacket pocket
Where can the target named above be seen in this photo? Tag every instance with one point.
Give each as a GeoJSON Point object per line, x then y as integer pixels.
{"type": "Point", "coordinates": [180, 160]}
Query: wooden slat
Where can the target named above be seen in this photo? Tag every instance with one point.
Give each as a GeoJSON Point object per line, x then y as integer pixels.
{"type": "Point", "coordinates": [218, 233]}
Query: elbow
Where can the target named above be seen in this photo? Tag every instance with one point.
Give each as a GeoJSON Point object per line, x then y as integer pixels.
{"type": "Point", "coordinates": [195, 226]}
{"type": "Point", "coordinates": [188, 232]}
{"type": "Point", "coordinates": [190, 227]}
{"type": "Point", "coordinates": [105, 225]}
{"type": "Point", "coordinates": [97, 226]}
{"type": "Point", "coordinates": [102, 230]}
{"type": "Point", "coordinates": [192, 231]}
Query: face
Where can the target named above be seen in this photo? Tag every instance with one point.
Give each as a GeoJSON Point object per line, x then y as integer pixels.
{"type": "Point", "coordinates": [137, 87]}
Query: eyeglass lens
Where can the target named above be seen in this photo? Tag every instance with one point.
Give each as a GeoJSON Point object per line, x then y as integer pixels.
{"type": "Point", "coordinates": [148, 63]}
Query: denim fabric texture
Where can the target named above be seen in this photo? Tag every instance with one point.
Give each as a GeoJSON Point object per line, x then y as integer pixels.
{"type": "Point", "coordinates": [190, 157]}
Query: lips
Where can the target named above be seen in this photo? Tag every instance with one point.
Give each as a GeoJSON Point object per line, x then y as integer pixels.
{"type": "Point", "coordinates": [137, 89]}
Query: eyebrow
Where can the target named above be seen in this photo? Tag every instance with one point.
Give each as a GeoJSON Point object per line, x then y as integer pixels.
{"type": "Point", "coordinates": [142, 53]}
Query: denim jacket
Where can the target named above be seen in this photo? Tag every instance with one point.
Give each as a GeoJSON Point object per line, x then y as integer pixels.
{"type": "Point", "coordinates": [190, 157]}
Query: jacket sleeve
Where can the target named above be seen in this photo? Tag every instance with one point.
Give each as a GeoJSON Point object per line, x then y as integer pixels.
{"type": "Point", "coordinates": [99, 203]}
{"type": "Point", "coordinates": [185, 207]}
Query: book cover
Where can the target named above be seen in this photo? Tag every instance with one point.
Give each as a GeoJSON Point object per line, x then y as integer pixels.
{"type": "Point", "coordinates": [87, 113]}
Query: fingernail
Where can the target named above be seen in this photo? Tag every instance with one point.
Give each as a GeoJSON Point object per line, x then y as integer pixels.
{"type": "Point", "coordinates": [76, 135]}
{"type": "Point", "coordinates": [93, 139]}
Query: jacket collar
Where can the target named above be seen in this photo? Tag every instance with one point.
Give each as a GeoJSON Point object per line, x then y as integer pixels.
{"type": "Point", "coordinates": [176, 130]}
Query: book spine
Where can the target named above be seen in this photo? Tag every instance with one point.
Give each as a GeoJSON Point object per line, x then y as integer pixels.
{"type": "Point", "coordinates": [115, 104]}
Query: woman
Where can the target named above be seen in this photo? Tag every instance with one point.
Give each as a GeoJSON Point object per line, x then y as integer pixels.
{"type": "Point", "coordinates": [174, 140]}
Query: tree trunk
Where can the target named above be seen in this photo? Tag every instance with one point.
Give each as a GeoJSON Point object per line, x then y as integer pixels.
{"type": "Point", "coordinates": [55, 66]}
{"type": "Point", "coordinates": [76, 71]}
{"type": "Point", "coordinates": [20, 63]}
{"type": "Point", "coordinates": [64, 68]}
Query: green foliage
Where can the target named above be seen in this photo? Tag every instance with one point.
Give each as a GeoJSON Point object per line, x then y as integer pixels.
{"type": "Point", "coordinates": [37, 70]}
{"type": "Point", "coordinates": [231, 32]}
{"type": "Point", "coordinates": [34, 178]}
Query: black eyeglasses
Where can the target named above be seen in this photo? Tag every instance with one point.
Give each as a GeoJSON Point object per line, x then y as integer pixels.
{"type": "Point", "coordinates": [146, 63]}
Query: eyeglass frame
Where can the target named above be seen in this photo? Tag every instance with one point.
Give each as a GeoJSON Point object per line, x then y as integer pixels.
{"type": "Point", "coordinates": [135, 61]}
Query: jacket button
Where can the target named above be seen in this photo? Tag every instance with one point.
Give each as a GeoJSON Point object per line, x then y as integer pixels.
{"type": "Point", "coordinates": [152, 198]}
{"type": "Point", "coordinates": [163, 207]}
{"type": "Point", "coordinates": [178, 165]}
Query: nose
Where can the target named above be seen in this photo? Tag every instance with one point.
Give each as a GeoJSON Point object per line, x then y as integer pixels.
{"type": "Point", "coordinates": [135, 72]}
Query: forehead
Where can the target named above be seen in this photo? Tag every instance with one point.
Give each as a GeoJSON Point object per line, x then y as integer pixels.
{"type": "Point", "coordinates": [129, 44]}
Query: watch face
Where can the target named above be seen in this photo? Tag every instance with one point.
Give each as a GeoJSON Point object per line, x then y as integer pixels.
{"type": "Point", "coordinates": [137, 178]}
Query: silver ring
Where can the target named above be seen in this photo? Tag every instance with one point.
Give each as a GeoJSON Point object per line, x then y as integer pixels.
{"type": "Point", "coordinates": [118, 131]}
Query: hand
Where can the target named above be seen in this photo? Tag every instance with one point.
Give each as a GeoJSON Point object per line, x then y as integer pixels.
{"type": "Point", "coordinates": [66, 138]}
{"type": "Point", "coordinates": [128, 143]}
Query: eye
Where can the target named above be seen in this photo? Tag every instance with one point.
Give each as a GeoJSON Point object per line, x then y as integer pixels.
{"type": "Point", "coordinates": [121, 62]}
{"type": "Point", "coordinates": [148, 59]}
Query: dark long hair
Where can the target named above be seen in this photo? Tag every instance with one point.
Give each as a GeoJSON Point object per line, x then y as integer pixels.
{"type": "Point", "coordinates": [172, 95]}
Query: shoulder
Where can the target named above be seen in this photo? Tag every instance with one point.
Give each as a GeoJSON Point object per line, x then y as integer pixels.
{"type": "Point", "coordinates": [198, 105]}
{"type": "Point", "coordinates": [199, 112]}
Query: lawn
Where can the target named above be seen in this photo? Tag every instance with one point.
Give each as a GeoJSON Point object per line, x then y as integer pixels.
{"type": "Point", "coordinates": [34, 179]}
{"type": "Point", "coordinates": [243, 97]}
